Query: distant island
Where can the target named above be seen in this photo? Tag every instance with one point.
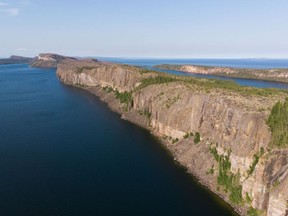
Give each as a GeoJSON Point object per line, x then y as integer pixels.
{"type": "Point", "coordinates": [16, 60]}
{"type": "Point", "coordinates": [276, 74]}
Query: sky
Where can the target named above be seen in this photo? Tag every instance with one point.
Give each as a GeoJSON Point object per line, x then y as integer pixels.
{"type": "Point", "coordinates": [147, 28]}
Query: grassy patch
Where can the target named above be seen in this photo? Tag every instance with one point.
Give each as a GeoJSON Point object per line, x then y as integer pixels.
{"type": "Point", "coordinates": [209, 84]}
{"type": "Point", "coordinates": [144, 71]}
{"type": "Point", "coordinates": [156, 80]}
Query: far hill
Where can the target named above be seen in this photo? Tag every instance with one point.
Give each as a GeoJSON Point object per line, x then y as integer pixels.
{"type": "Point", "coordinates": [16, 60]}
{"type": "Point", "coordinates": [49, 60]}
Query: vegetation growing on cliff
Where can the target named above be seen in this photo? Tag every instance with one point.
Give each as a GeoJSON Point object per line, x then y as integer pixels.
{"type": "Point", "coordinates": [209, 84]}
{"type": "Point", "coordinates": [197, 138]}
{"type": "Point", "coordinates": [256, 158]}
{"type": "Point", "coordinates": [156, 80]}
{"type": "Point", "coordinates": [108, 89]}
{"type": "Point", "coordinates": [187, 135]}
{"type": "Point", "coordinates": [143, 71]}
{"type": "Point", "coordinates": [81, 69]}
{"type": "Point", "coordinates": [228, 180]}
{"type": "Point", "coordinates": [145, 113]}
{"type": "Point", "coordinates": [253, 212]}
{"type": "Point", "coordinates": [125, 97]}
{"type": "Point", "coordinates": [175, 140]}
{"type": "Point", "coordinates": [278, 123]}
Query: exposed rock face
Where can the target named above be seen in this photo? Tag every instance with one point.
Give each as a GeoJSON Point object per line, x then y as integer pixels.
{"type": "Point", "coordinates": [16, 60]}
{"type": "Point", "coordinates": [48, 60]}
{"type": "Point", "coordinates": [231, 122]}
{"type": "Point", "coordinates": [277, 74]}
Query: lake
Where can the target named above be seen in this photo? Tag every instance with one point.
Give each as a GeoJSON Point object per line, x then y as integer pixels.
{"type": "Point", "coordinates": [64, 153]}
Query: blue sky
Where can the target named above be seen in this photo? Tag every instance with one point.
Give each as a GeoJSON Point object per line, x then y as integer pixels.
{"type": "Point", "coordinates": [150, 28]}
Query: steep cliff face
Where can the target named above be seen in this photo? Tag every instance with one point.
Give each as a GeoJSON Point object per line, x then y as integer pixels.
{"type": "Point", "coordinates": [230, 126]}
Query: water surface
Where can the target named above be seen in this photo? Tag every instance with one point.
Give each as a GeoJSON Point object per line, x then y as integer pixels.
{"type": "Point", "coordinates": [64, 153]}
{"type": "Point", "coordinates": [234, 63]}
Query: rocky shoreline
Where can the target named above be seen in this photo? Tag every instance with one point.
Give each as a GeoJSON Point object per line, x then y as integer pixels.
{"type": "Point", "coordinates": [113, 104]}
{"type": "Point", "coordinates": [275, 74]}
{"type": "Point", "coordinates": [232, 126]}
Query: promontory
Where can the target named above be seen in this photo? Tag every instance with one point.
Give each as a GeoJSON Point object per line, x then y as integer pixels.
{"type": "Point", "coordinates": [233, 139]}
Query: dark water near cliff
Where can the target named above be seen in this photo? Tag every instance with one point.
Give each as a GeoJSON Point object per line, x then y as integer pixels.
{"type": "Point", "coordinates": [64, 153]}
{"type": "Point", "coordinates": [234, 63]}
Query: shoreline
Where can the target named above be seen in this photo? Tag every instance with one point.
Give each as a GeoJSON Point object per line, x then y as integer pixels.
{"type": "Point", "coordinates": [109, 101]}
{"type": "Point", "coordinates": [211, 129]}
{"type": "Point", "coordinates": [221, 74]}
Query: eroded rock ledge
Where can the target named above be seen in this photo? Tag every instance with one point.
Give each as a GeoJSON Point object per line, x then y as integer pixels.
{"type": "Point", "coordinates": [234, 137]}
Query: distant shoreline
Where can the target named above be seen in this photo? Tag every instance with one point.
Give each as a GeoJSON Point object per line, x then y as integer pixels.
{"type": "Point", "coordinates": [273, 74]}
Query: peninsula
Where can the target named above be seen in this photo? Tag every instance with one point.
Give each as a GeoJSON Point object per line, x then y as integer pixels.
{"type": "Point", "coordinates": [49, 60]}
{"type": "Point", "coordinates": [276, 74]}
{"type": "Point", "coordinates": [232, 138]}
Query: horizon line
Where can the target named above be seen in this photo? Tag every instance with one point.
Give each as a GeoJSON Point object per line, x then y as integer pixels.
{"type": "Point", "coordinates": [159, 57]}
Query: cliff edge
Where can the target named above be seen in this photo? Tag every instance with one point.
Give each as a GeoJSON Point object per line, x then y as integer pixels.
{"type": "Point", "coordinates": [216, 129]}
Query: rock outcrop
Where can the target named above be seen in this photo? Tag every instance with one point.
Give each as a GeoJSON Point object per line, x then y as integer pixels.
{"type": "Point", "coordinates": [231, 127]}
{"type": "Point", "coordinates": [48, 60]}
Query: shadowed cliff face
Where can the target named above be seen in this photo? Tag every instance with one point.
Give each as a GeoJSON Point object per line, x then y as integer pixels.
{"type": "Point", "coordinates": [231, 123]}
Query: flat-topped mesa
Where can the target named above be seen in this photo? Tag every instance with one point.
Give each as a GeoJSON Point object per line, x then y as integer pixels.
{"type": "Point", "coordinates": [217, 130]}
{"type": "Point", "coordinates": [49, 60]}
{"type": "Point", "coordinates": [277, 74]}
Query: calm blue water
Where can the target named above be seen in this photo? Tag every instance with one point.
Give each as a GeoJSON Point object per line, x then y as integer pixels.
{"type": "Point", "coordinates": [236, 63]}
{"type": "Point", "coordinates": [64, 153]}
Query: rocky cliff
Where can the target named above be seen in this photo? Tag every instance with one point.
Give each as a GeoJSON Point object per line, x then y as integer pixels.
{"type": "Point", "coordinates": [276, 74]}
{"type": "Point", "coordinates": [48, 60]}
{"type": "Point", "coordinates": [217, 131]}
